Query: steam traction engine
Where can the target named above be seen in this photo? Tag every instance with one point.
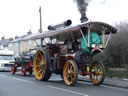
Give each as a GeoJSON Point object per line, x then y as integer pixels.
{"type": "Point", "coordinates": [68, 51]}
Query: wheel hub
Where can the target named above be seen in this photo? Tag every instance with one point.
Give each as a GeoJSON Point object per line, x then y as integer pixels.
{"type": "Point", "coordinates": [69, 72]}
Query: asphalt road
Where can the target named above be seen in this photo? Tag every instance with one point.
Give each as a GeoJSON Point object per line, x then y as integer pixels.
{"type": "Point", "coordinates": [17, 85]}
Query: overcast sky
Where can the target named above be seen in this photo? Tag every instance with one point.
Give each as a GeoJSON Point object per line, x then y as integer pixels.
{"type": "Point", "coordinates": [17, 17]}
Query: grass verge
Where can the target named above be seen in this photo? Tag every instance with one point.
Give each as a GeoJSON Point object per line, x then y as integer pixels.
{"type": "Point", "coordinates": [119, 74]}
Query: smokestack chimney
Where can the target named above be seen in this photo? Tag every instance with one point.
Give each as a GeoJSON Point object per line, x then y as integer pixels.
{"type": "Point", "coordinates": [83, 19]}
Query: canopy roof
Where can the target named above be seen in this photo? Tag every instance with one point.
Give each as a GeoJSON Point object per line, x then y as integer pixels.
{"type": "Point", "coordinates": [74, 31]}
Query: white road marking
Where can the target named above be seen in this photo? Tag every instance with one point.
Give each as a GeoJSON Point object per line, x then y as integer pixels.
{"type": "Point", "coordinates": [125, 79]}
{"type": "Point", "coordinates": [67, 90]}
{"type": "Point", "coordinates": [22, 80]}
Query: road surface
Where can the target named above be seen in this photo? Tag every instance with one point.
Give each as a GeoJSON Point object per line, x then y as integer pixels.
{"type": "Point", "coordinates": [17, 85]}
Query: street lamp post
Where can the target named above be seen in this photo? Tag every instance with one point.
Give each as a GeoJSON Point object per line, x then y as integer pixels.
{"type": "Point", "coordinates": [40, 20]}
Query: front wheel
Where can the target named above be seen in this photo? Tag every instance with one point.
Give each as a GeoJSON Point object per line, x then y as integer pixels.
{"type": "Point", "coordinates": [42, 65]}
{"type": "Point", "coordinates": [70, 72]}
{"type": "Point", "coordinates": [97, 73]}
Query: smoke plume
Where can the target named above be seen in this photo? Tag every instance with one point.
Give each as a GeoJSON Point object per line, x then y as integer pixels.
{"type": "Point", "coordinates": [82, 8]}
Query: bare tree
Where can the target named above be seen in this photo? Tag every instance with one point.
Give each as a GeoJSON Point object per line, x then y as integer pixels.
{"type": "Point", "coordinates": [117, 49]}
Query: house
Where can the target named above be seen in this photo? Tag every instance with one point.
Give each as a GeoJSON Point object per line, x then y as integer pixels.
{"type": "Point", "coordinates": [23, 43]}
{"type": "Point", "coordinates": [4, 43]}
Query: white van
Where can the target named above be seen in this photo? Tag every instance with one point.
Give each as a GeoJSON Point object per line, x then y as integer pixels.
{"type": "Point", "coordinates": [6, 60]}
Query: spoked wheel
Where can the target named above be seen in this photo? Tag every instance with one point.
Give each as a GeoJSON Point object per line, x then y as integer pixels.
{"type": "Point", "coordinates": [13, 70]}
{"type": "Point", "coordinates": [30, 70]}
{"type": "Point", "coordinates": [42, 65]}
{"type": "Point", "coordinates": [97, 73]}
{"type": "Point", "coordinates": [23, 71]}
{"type": "Point", "coordinates": [70, 72]}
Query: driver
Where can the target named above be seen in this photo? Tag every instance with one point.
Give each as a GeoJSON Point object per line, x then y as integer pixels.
{"type": "Point", "coordinates": [94, 39]}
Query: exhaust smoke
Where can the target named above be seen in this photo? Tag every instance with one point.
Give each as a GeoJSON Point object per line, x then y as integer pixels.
{"type": "Point", "coordinates": [82, 8]}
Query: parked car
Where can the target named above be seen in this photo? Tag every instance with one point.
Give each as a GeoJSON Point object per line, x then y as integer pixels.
{"type": "Point", "coordinates": [6, 60]}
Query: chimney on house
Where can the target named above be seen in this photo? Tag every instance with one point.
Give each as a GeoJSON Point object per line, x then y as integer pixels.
{"type": "Point", "coordinates": [29, 32]}
{"type": "Point", "coordinates": [10, 39]}
{"type": "Point", "coordinates": [2, 38]}
{"type": "Point", "coordinates": [16, 37]}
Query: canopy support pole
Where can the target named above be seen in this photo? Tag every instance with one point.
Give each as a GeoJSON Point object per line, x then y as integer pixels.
{"type": "Point", "coordinates": [36, 43]}
{"type": "Point", "coordinates": [83, 37]}
{"type": "Point", "coordinates": [88, 37]}
{"type": "Point", "coordinates": [103, 37]}
{"type": "Point", "coordinates": [42, 42]}
{"type": "Point", "coordinates": [108, 40]}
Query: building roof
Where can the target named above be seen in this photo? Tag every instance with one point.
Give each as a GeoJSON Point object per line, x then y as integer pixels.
{"type": "Point", "coordinates": [18, 39]}
{"type": "Point", "coordinates": [4, 42]}
{"type": "Point", "coordinates": [29, 37]}
{"type": "Point", "coordinates": [24, 37]}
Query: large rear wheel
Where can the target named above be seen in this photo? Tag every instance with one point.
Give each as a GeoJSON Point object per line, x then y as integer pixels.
{"type": "Point", "coordinates": [42, 65]}
{"type": "Point", "coordinates": [97, 73]}
{"type": "Point", "coordinates": [70, 72]}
